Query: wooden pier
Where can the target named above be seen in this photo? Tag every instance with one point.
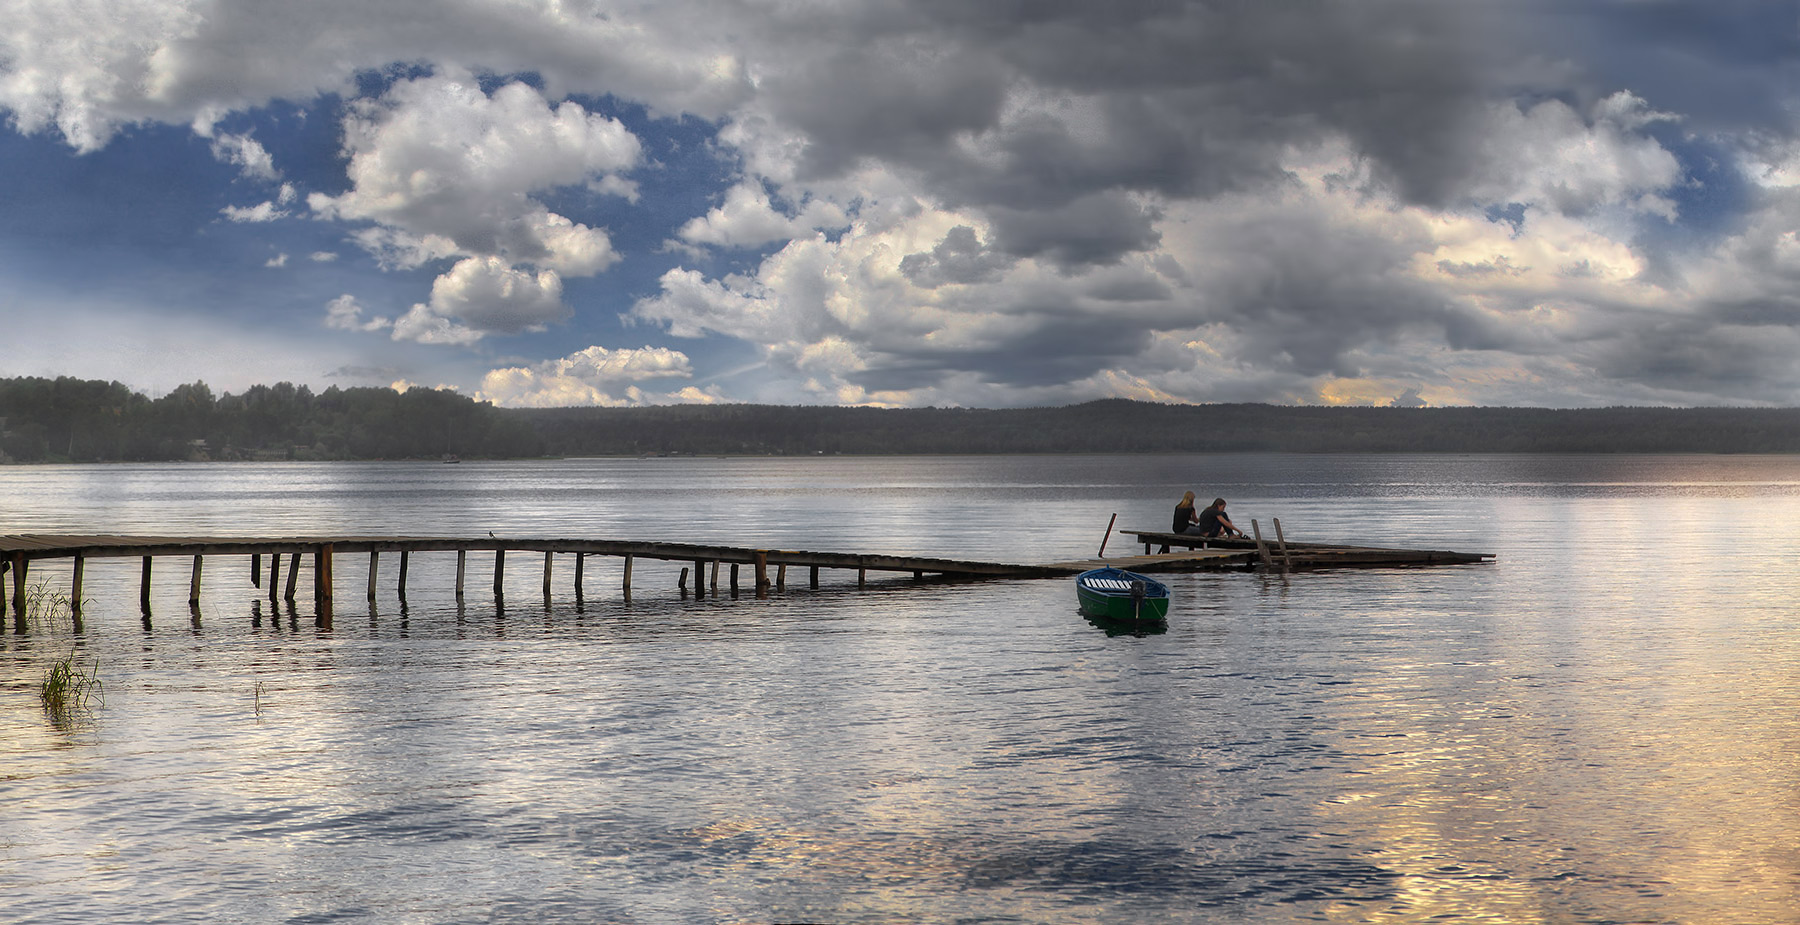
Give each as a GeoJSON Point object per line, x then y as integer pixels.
{"type": "Point", "coordinates": [18, 553]}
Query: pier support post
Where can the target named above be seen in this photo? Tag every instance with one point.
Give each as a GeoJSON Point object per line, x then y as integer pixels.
{"type": "Point", "coordinates": [628, 578]}
{"type": "Point", "coordinates": [781, 577]}
{"type": "Point", "coordinates": [681, 582]}
{"type": "Point", "coordinates": [714, 587]}
{"type": "Point", "coordinates": [699, 579]}
{"type": "Point", "coordinates": [18, 596]}
{"type": "Point", "coordinates": [144, 586]}
{"type": "Point", "coordinates": [1287, 561]}
{"type": "Point", "coordinates": [734, 582]}
{"type": "Point", "coordinates": [404, 562]}
{"type": "Point", "coordinates": [287, 594]}
{"type": "Point", "coordinates": [274, 575]}
{"type": "Point", "coordinates": [580, 561]}
{"type": "Point", "coordinates": [1262, 548]}
{"type": "Point", "coordinates": [862, 578]}
{"type": "Point", "coordinates": [75, 584]}
{"type": "Point", "coordinates": [374, 566]}
{"type": "Point", "coordinates": [462, 561]}
{"type": "Point", "coordinates": [762, 574]}
{"type": "Point", "coordinates": [548, 558]}
{"type": "Point", "coordinates": [194, 584]}
{"type": "Point", "coordinates": [322, 576]}
{"type": "Point", "coordinates": [256, 569]}
{"type": "Point", "coordinates": [499, 573]}
{"type": "Point", "coordinates": [815, 578]}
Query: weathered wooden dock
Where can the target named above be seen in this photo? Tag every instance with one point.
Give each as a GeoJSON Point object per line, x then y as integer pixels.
{"type": "Point", "coordinates": [19, 552]}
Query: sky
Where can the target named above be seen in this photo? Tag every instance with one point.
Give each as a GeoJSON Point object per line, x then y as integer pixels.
{"type": "Point", "coordinates": [909, 203]}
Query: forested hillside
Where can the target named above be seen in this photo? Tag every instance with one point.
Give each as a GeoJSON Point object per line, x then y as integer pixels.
{"type": "Point", "coordinates": [73, 420]}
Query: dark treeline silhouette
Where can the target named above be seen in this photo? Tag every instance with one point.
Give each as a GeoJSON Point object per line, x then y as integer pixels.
{"type": "Point", "coordinates": [77, 420]}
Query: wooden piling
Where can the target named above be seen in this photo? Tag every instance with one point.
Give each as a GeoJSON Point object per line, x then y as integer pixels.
{"type": "Point", "coordinates": [75, 583]}
{"type": "Point", "coordinates": [293, 579]}
{"type": "Point", "coordinates": [1262, 548]}
{"type": "Point", "coordinates": [374, 566]}
{"type": "Point", "coordinates": [815, 578]}
{"type": "Point", "coordinates": [780, 576]}
{"type": "Point", "coordinates": [274, 575]}
{"type": "Point", "coordinates": [627, 588]}
{"type": "Point", "coordinates": [762, 573]}
{"type": "Point", "coordinates": [699, 579]}
{"type": "Point", "coordinates": [499, 573]}
{"type": "Point", "coordinates": [462, 561]}
{"type": "Point", "coordinates": [1287, 561]}
{"type": "Point", "coordinates": [144, 586]}
{"type": "Point", "coordinates": [548, 557]}
{"type": "Point", "coordinates": [322, 575]}
{"type": "Point", "coordinates": [18, 574]}
{"type": "Point", "coordinates": [404, 562]}
{"type": "Point", "coordinates": [734, 579]}
{"type": "Point", "coordinates": [682, 581]}
{"type": "Point", "coordinates": [1108, 535]}
{"type": "Point", "coordinates": [256, 569]}
{"type": "Point", "coordinates": [578, 566]}
{"type": "Point", "coordinates": [194, 584]}
{"type": "Point", "coordinates": [714, 588]}
{"type": "Point", "coordinates": [862, 578]}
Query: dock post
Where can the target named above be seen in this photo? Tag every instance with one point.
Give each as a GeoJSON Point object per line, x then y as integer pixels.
{"type": "Point", "coordinates": [762, 574]}
{"type": "Point", "coordinates": [1287, 561]}
{"type": "Point", "coordinates": [699, 579]}
{"type": "Point", "coordinates": [194, 584]}
{"type": "Point", "coordinates": [714, 588]}
{"type": "Point", "coordinates": [403, 564]}
{"type": "Point", "coordinates": [1262, 548]}
{"type": "Point", "coordinates": [781, 577]}
{"type": "Point", "coordinates": [580, 560]}
{"type": "Point", "coordinates": [462, 561]}
{"type": "Point", "coordinates": [256, 569]}
{"type": "Point", "coordinates": [1108, 535]}
{"type": "Point", "coordinates": [628, 578]}
{"type": "Point", "coordinates": [293, 577]}
{"type": "Point", "coordinates": [322, 574]}
{"type": "Point", "coordinates": [734, 582]}
{"type": "Point", "coordinates": [499, 573]}
{"type": "Point", "coordinates": [274, 575]}
{"type": "Point", "coordinates": [75, 584]}
{"type": "Point", "coordinates": [374, 566]}
{"type": "Point", "coordinates": [548, 555]}
{"type": "Point", "coordinates": [862, 576]}
{"type": "Point", "coordinates": [144, 586]}
{"type": "Point", "coordinates": [815, 578]}
{"type": "Point", "coordinates": [18, 570]}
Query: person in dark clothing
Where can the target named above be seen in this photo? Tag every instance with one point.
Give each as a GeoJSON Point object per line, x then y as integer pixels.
{"type": "Point", "coordinates": [1185, 517]}
{"type": "Point", "coordinates": [1213, 521]}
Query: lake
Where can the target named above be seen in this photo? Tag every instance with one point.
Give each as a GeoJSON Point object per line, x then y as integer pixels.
{"type": "Point", "coordinates": [1602, 725]}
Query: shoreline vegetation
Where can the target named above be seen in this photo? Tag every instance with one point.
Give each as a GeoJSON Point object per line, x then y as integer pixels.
{"type": "Point", "coordinates": [68, 420]}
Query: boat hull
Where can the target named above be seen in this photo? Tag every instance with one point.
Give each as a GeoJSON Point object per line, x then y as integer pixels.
{"type": "Point", "coordinates": [1108, 594]}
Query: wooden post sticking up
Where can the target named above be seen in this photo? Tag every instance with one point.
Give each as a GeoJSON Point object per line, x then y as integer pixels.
{"type": "Point", "coordinates": [274, 575]}
{"type": "Point", "coordinates": [682, 581]}
{"type": "Point", "coordinates": [762, 574]}
{"type": "Point", "coordinates": [580, 557]}
{"type": "Point", "coordinates": [628, 578]}
{"type": "Point", "coordinates": [462, 561]}
{"type": "Point", "coordinates": [144, 586]}
{"type": "Point", "coordinates": [781, 577]}
{"type": "Point", "coordinates": [287, 594]}
{"type": "Point", "coordinates": [1108, 536]}
{"type": "Point", "coordinates": [715, 578]}
{"type": "Point", "coordinates": [75, 583]}
{"type": "Point", "coordinates": [734, 582]}
{"type": "Point", "coordinates": [404, 562]}
{"type": "Point", "coordinates": [815, 578]}
{"type": "Point", "coordinates": [499, 573]}
{"type": "Point", "coordinates": [374, 566]}
{"type": "Point", "coordinates": [322, 584]}
{"type": "Point", "coordinates": [18, 570]}
{"type": "Point", "coordinates": [1262, 548]}
{"type": "Point", "coordinates": [256, 569]}
{"type": "Point", "coordinates": [862, 578]}
{"type": "Point", "coordinates": [194, 584]}
{"type": "Point", "coordinates": [547, 559]}
{"type": "Point", "coordinates": [1287, 561]}
{"type": "Point", "coordinates": [699, 579]}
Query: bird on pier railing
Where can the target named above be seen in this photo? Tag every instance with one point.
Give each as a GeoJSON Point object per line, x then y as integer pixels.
{"type": "Point", "coordinates": [490, 533]}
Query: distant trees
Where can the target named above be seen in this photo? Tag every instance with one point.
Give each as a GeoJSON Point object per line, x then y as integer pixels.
{"type": "Point", "coordinates": [75, 420]}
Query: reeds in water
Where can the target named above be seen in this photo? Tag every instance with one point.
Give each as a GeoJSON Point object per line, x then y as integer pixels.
{"type": "Point", "coordinates": [69, 689]}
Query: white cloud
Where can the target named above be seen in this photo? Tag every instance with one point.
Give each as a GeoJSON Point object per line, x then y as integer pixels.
{"type": "Point", "coordinates": [249, 156]}
{"type": "Point", "coordinates": [344, 314]}
{"type": "Point", "coordinates": [421, 325]}
{"type": "Point", "coordinates": [1547, 155]}
{"type": "Point", "coordinates": [261, 212]}
{"type": "Point", "coordinates": [491, 297]}
{"type": "Point", "coordinates": [748, 219]}
{"type": "Point", "coordinates": [279, 260]}
{"type": "Point", "coordinates": [594, 376]}
{"type": "Point", "coordinates": [322, 256]}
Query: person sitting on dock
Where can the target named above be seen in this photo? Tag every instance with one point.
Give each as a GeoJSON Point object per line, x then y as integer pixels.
{"type": "Point", "coordinates": [1214, 523]}
{"type": "Point", "coordinates": [1186, 520]}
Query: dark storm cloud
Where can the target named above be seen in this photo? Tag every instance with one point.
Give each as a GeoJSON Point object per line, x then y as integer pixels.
{"type": "Point", "coordinates": [1742, 363]}
{"type": "Point", "coordinates": [1062, 349]}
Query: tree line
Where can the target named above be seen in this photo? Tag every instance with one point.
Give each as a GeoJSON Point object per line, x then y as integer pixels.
{"type": "Point", "coordinates": [74, 420]}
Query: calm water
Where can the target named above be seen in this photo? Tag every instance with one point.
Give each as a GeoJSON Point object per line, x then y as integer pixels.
{"type": "Point", "coordinates": [1601, 726]}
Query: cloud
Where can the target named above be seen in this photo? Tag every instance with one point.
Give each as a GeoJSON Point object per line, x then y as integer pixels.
{"type": "Point", "coordinates": [593, 376]}
{"type": "Point", "coordinates": [344, 314]}
{"type": "Point", "coordinates": [261, 212]}
{"type": "Point", "coordinates": [247, 154]}
{"type": "Point", "coordinates": [446, 169]}
{"type": "Point", "coordinates": [747, 218]}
